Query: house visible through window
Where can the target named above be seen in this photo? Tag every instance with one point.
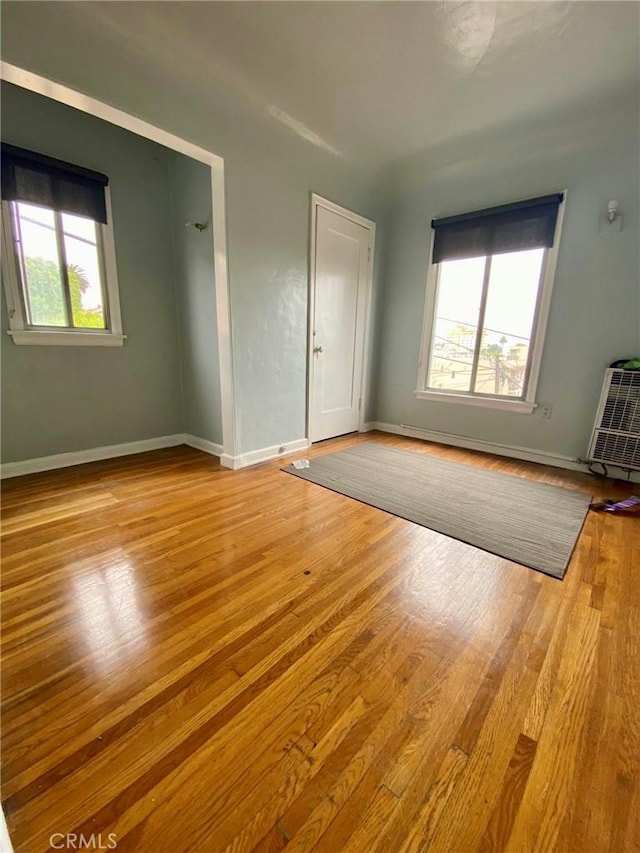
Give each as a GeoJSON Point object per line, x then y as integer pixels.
{"type": "Point", "coordinates": [490, 285]}
{"type": "Point", "coordinates": [59, 256]}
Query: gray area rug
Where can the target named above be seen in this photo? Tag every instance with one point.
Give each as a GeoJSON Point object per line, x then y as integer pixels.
{"type": "Point", "coordinates": [530, 523]}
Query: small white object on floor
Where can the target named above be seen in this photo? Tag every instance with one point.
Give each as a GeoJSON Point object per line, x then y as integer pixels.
{"type": "Point", "coordinates": [300, 463]}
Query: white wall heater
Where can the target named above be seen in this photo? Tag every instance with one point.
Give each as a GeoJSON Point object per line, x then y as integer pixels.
{"type": "Point", "coordinates": [616, 433]}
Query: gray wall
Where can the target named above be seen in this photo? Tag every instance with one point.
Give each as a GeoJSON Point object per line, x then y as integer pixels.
{"type": "Point", "coordinates": [190, 183]}
{"type": "Point", "coordinates": [594, 313]}
{"type": "Point", "coordinates": [268, 191]}
{"type": "Point", "coordinates": [270, 172]}
{"type": "Point", "coordinates": [61, 399]}
{"type": "Point", "coordinates": [269, 179]}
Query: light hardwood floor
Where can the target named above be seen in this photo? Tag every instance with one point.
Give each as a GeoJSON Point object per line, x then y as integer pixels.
{"type": "Point", "coordinates": [203, 660]}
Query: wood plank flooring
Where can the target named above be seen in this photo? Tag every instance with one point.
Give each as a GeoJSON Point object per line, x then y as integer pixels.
{"type": "Point", "coordinates": [196, 659]}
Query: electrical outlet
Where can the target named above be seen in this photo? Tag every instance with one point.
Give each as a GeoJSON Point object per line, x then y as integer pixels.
{"type": "Point", "coordinates": [546, 412]}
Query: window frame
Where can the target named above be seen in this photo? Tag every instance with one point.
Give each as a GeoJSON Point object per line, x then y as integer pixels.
{"type": "Point", "coordinates": [524, 405]}
{"type": "Point", "coordinates": [22, 332]}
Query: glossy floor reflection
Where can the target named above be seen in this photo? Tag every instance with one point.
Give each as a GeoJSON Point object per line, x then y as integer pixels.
{"type": "Point", "coordinates": [198, 659]}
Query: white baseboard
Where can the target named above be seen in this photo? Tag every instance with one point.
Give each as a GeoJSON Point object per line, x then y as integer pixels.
{"type": "Point", "coordinates": [512, 451]}
{"type": "Point", "coordinates": [228, 461]}
{"type": "Point", "coordinates": [5, 841]}
{"type": "Point", "coordinates": [94, 454]}
{"type": "Point", "coordinates": [253, 457]}
{"type": "Point", "coordinates": [203, 444]}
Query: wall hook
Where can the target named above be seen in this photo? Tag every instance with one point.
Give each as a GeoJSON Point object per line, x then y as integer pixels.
{"type": "Point", "coordinates": [199, 225]}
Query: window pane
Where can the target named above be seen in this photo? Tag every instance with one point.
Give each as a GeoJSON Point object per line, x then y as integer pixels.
{"type": "Point", "coordinates": [39, 251]}
{"type": "Point", "coordinates": [79, 226]}
{"type": "Point", "coordinates": [456, 324]}
{"type": "Point", "coordinates": [508, 323]}
{"type": "Point", "coordinates": [83, 267]}
{"type": "Point", "coordinates": [38, 214]}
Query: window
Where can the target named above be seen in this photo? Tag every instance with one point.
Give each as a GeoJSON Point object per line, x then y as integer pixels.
{"type": "Point", "coordinates": [488, 294]}
{"type": "Point", "coordinates": [58, 254]}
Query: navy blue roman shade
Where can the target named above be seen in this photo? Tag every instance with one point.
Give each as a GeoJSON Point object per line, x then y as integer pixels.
{"type": "Point", "coordinates": [508, 228]}
{"type": "Point", "coordinates": [38, 179]}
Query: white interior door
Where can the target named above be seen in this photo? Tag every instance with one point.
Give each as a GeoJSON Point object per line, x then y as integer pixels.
{"type": "Point", "coordinates": [341, 266]}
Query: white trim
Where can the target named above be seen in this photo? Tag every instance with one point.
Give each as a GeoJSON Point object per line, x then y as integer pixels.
{"type": "Point", "coordinates": [538, 333]}
{"type": "Point", "coordinates": [230, 462]}
{"type": "Point", "coordinates": [203, 444]}
{"type": "Point", "coordinates": [11, 278]}
{"type": "Point", "coordinates": [311, 311]}
{"type": "Point", "coordinates": [111, 269]}
{"type": "Point", "coordinates": [542, 313]}
{"type": "Point", "coordinates": [512, 451]}
{"type": "Point", "coordinates": [87, 104]}
{"type": "Point", "coordinates": [265, 454]}
{"type": "Point", "coordinates": [366, 343]}
{"type": "Point", "coordinates": [66, 338]}
{"type": "Point", "coordinates": [528, 454]}
{"type": "Point", "coordinates": [428, 318]}
{"type": "Point", "coordinates": [316, 202]}
{"type": "Point", "coordinates": [5, 841]}
{"type": "Point", "coordinates": [223, 305]}
{"type": "Point", "coordinates": [506, 404]}
{"type": "Point", "coordinates": [94, 454]}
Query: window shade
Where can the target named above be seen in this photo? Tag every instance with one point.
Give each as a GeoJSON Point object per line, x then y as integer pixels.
{"type": "Point", "coordinates": [38, 179]}
{"type": "Point", "coordinates": [507, 228]}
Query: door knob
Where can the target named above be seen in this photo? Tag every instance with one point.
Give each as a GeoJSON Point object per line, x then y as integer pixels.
{"type": "Point", "coordinates": [317, 349]}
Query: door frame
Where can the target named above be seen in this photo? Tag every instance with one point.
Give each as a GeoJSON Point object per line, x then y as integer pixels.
{"type": "Point", "coordinates": [318, 201]}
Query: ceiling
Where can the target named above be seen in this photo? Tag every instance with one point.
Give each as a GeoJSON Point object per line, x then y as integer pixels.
{"type": "Point", "coordinates": [368, 81]}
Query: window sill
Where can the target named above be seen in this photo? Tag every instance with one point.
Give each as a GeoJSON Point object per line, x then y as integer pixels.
{"type": "Point", "coordinates": [521, 406]}
{"type": "Point", "coordinates": [66, 339]}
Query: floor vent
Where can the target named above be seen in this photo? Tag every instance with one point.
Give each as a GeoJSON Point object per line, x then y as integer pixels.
{"type": "Point", "coordinates": [616, 432]}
